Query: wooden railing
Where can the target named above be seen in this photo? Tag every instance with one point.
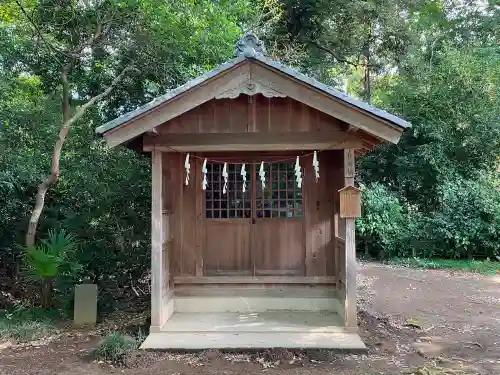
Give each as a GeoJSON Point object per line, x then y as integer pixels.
{"type": "Point", "coordinates": [167, 251]}
{"type": "Point", "coordinates": [341, 262]}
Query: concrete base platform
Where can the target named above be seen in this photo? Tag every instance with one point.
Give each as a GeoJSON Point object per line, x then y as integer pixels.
{"type": "Point", "coordinates": [271, 329]}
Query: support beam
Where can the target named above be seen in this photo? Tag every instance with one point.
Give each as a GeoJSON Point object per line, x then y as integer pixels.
{"type": "Point", "coordinates": [157, 261]}
{"type": "Point", "coordinates": [350, 312]}
{"type": "Point", "coordinates": [276, 141]}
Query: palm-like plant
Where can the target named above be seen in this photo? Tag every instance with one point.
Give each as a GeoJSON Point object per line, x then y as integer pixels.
{"type": "Point", "coordinates": [46, 261]}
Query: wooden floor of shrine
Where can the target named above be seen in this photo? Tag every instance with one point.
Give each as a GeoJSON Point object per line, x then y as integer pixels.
{"type": "Point", "coordinates": [254, 330]}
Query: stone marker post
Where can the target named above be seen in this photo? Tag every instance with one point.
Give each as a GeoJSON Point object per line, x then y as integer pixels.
{"type": "Point", "coordinates": [85, 311]}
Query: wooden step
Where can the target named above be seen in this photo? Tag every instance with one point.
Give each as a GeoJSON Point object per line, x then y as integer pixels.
{"type": "Point", "coordinates": [339, 341]}
{"type": "Point", "coordinates": [270, 321]}
{"type": "Point", "coordinates": [195, 304]}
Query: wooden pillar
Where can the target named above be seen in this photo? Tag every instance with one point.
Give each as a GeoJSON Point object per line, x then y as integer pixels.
{"type": "Point", "coordinates": [157, 271]}
{"type": "Point", "coordinates": [350, 313]}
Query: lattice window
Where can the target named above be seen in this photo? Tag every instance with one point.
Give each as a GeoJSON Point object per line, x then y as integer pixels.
{"type": "Point", "coordinates": [280, 198]}
{"type": "Point", "coordinates": [233, 204]}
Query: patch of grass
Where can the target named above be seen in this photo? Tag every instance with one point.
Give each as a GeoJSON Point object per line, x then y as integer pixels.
{"type": "Point", "coordinates": [37, 314]}
{"type": "Point", "coordinates": [25, 331]}
{"type": "Point", "coordinates": [485, 267]}
{"type": "Point", "coordinates": [115, 346]}
{"type": "Point", "coordinates": [27, 324]}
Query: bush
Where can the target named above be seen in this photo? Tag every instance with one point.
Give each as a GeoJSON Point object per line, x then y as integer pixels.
{"type": "Point", "coordinates": [115, 346]}
{"type": "Point", "coordinates": [384, 227]}
{"type": "Point", "coordinates": [51, 260]}
{"type": "Point", "coordinates": [466, 223]}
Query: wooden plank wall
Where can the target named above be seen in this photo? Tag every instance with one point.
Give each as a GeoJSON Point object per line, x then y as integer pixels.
{"type": "Point", "coordinates": [183, 203]}
{"type": "Point", "coordinates": [338, 183]}
{"type": "Point", "coordinates": [321, 204]}
{"type": "Point", "coordinates": [251, 114]}
{"type": "Point", "coordinates": [188, 227]}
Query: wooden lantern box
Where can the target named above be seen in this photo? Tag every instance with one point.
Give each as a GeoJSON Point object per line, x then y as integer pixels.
{"type": "Point", "coordinates": [350, 202]}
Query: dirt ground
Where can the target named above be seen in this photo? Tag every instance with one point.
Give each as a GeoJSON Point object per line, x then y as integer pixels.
{"type": "Point", "coordinates": [424, 322]}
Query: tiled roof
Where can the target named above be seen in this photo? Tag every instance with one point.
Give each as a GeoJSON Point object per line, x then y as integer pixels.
{"type": "Point", "coordinates": [249, 47]}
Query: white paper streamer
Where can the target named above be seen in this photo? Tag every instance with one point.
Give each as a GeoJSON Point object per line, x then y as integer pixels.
{"type": "Point", "coordinates": [262, 175]}
{"type": "Point", "coordinates": [244, 176]}
{"type": "Point", "coordinates": [225, 175]}
{"type": "Point", "coordinates": [188, 167]}
{"type": "Point", "coordinates": [316, 165]}
{"type": "Point", "coordinates": [204, 171]}
{"type": "Point", "coordinates": [298, 173]}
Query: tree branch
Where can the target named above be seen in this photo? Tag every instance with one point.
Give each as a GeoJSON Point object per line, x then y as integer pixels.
{"type": "Point", "coordinates": [65, 86]}
{"type": "Point", "coordinates": [56, 156]}
{"type": "Point", "coordinates": [79, 113]}
{"type": "Point", "coordinates": [53, 50]}
{"type": "Point", "coordinates": [335, 56]}
{"type": "Point", "coordinates": [91, 40]}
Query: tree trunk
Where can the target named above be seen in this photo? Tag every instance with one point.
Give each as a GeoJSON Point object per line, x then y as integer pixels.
{"type": "Point", "coordinates": [52, 178]}
{"type": "Point", "coordinates": [470, 253]}
{"type": "Point", "coordinates": [45, 185]}
{"type": "Point", "coordinates": [56, 154]}
{"type": "Point", "coordinates": [367, 91]}
{"type": "Point", "coordinates": [37, 210]}
{"type": "Point", "coordinates": [46, 293]}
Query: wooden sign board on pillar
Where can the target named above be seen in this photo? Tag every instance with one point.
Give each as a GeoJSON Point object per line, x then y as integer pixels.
{"type": "Point", "coordinates": [350, 202]}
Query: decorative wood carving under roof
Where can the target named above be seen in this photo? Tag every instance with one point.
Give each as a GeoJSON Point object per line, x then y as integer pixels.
{"type": "Point", "coordinates": [250, 88]}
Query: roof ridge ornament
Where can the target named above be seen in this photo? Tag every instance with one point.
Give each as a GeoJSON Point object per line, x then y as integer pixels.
{"type": "Point", "coordinates": [250, 46]}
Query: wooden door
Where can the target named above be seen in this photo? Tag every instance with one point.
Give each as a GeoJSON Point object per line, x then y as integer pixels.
{"type": "Point", "coordinates": [228, 224]}
{"type": "Point", "coordinates": [278, 235]}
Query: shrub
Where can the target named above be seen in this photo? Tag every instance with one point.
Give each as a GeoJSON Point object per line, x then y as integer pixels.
{"type": "Point", "coordinates": [115, 346]}
{"type": "Point", "coordinates": [384, 226]}
{"type": "Point", "coordinates": [467, 221]}
{"type": "Point", "coordinates": [50, 260]}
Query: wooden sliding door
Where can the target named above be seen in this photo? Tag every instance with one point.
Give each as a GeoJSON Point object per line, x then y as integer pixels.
{"type": "Point", "coordinates": [278, 239]}
{"type": "Point", "coordinates": [259, 232]}
{"type": "Point", "coordinates": [228, 223]}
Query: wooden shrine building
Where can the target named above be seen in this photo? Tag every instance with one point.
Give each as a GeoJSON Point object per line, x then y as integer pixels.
{"type": "Point", "coordinates": [271, 265]}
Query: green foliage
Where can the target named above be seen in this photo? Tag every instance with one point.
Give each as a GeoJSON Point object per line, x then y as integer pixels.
{"type": "Point", "coordinates": [21, 313]}
{"type": "Point", "coordinates": [485, 267]}
{"type": "Point", "coordinates": [435, 63]}
{"type": "Point", "coordinates": [444, 169]}
{"type": "Point", "coordinates": [115, 346]}
{"type": "Point", "coordinates": [454, 106]}
{"type": "Point", "coordinates": [102, 196]}
{"type": "Point", "coordinates": [47, 259]}
{"type": "Point", "coordinates": [467, 222]}
{"type": "Point", "coordinates": [24, 331]}
{"type": "Point", "coordinates": [384, 225]}
{"type": "Point", "coordinates": [464, 224]}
